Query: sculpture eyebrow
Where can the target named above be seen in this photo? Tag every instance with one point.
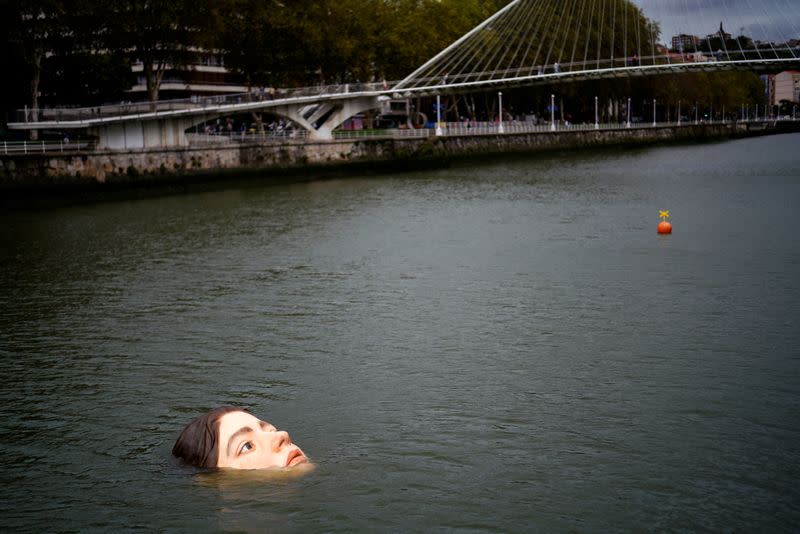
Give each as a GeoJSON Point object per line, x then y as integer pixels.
{"type": "Point", "coordinates": [243, 430]}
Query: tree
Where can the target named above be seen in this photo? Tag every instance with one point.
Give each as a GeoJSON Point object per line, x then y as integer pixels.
{"type": "Point", "coordinates": [34, 28]}
{"type": "Point", "coordinates": [417, 30]}
{"type": "Point", "coordinates": [85, 77]}
{"type": "Point", "coordinates": [159, 33]}
{"type": "Point", "coordinates": [257, 41]}
{"type": "Point", "coordinates": [341, 38]}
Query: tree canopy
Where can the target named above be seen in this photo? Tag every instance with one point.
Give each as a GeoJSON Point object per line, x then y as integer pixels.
{"type": "Point", "coordinates": [81, 52]}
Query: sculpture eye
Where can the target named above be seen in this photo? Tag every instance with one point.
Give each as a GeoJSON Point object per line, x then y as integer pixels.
{"type": "Point", "coordinates": [246, 447]}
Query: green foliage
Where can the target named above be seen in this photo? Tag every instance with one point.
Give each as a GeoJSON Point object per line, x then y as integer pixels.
{"type": "Point", "coordinates": [80, 51]}
{"type": "Point", "coordinates": [157, 33]}
{"type": "Point", "coordinates": [256, 37]}
{"type": "Point", "coordinates": [340, 39]}
{"type": "Point", "coordinates": [578, 40]}
{"type": "Point", "coordinates": [716, 89]}
{"type": "Point", "coordinates": [51, 54]}
{"type": "Point", "coordinates": [33, 28]}
{"type": "Point", "coordinates": [416, 30]}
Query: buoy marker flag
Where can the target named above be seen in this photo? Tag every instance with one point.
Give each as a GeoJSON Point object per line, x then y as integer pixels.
{"type": "Point", "coordinates": [664, 227]}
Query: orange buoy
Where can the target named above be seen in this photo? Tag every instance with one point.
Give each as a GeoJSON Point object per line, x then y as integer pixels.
{"type": "Point", "coordinates": [664, 227]}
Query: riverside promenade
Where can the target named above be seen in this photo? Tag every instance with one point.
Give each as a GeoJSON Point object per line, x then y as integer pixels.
{"type": "Point", "coordinates": [42, 166]}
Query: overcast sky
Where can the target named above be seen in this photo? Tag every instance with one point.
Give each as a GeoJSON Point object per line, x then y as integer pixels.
{"type": "Point", "coordinates": [776, 20]}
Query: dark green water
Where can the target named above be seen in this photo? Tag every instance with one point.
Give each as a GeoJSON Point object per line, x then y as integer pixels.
{"type": "Point", "coordinates": [504, 346]}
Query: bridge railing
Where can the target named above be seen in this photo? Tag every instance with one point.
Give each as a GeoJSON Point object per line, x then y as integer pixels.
{"type": "Point", "coordinates": [216, 139]}
{"type": "Point", "coordinates": [449, 129]}
{"type": "Point", "coordinates": [541, 126]}
{"type": "Point", "coordinates": [517, 127]}
{"type": "Point", "coordinates": [46, 147]}
{"type": "Point", "coordinates": [64, 114]}
{"type": "Point", "coordinates": [701, 57]}
{"type": "Point", "coordinates": [390, 133]}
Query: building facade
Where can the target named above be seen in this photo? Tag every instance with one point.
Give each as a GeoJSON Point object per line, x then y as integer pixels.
{"type": "Point", "coordinates": [685, 42]}
{"type": "Point", "coordinates": [785, 86]}
{"type": "Point", "coordinates": [204, 75]}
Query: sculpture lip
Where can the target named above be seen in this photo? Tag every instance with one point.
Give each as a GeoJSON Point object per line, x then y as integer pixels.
{"type": "Point", "coordinates": [295, 457]}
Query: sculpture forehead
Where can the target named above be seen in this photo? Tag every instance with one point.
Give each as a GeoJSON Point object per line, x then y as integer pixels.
{"type": "Point", "coordinates": [233, 421]}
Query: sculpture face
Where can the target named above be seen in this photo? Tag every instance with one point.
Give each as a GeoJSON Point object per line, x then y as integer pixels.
{"type": "Point", "coordinates": [246, 442]}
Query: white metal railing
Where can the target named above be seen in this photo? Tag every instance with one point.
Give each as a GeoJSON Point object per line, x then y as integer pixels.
{"type": "Point", "coordinates": [260, 94]}
{"type": "Point", "coordinates": [216, 139]}
{"type": "Point", "coordinates": [45, 147]}
{"type": "Point", "coordinates": [463, 128]}
{"type": "Point", "coordinates": [620, 63]}
{"type": "Point", "coordinates": [516, 127]}
{"type": "Point", "coordinates": [222, 138]}
{"type": "Point", "coordinates": [393, 133]}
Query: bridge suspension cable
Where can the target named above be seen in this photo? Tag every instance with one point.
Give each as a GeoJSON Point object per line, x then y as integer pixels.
{"type": "Point", "coordinates": [529, 38]}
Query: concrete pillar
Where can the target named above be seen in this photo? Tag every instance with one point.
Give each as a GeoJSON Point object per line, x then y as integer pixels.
{"type": "Point", "coordinates": [337, 112]}
{"type": "Point", "coordinates": [136, 134]}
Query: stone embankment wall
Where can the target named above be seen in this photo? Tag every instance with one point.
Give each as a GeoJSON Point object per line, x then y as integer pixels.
{"type": "Point", "coordinates": [104, 168]}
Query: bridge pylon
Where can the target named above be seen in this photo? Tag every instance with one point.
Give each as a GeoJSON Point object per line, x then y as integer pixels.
{"type": "Point", "coordinates": [321, 119]}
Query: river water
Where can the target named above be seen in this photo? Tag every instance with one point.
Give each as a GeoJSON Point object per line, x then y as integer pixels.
{"type": "Point", "coordinates": [503, 345]}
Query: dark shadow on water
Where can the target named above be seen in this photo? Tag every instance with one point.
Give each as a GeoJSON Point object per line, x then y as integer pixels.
{"type": "Point", "coordinates": [122, 188]}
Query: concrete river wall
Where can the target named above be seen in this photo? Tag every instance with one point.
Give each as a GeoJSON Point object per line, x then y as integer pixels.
{"type": "Point", "coordinates": [104, 169]}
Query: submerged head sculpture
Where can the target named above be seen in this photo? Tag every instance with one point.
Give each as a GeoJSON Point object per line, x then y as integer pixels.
{"type": "Point", "coordinates": [234, 438]}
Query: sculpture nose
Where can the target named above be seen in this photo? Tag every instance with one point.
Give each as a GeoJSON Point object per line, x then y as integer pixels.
{"type": "Point", "coordinates": [280, 439]}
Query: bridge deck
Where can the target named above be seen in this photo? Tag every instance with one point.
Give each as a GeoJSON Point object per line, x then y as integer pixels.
{"type": "Point", "coordinates": [77, 118]}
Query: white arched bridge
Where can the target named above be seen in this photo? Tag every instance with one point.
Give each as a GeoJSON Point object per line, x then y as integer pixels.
{"type": "Point", "coordinates": [527, 43]}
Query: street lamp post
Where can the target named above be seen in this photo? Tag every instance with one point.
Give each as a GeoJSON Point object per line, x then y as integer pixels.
{"type": "Point", "coordinates": [628, 123]}
{"type": "Point", "coordinates": [756, 112]}
{"type": "Point", "coordinates": [654, 112]}
{"type": "Point", "coordinates": [596, 117]}
{"type": "Point", "coordinates": [679, 112]}
{"type": "Point", "coordinates": [439, 115]}
{"type": "Point", "coordinates": [695, 113]}
{"type": "Point", "coordinates": [552, 113]}
{"type": "Point", "coordinates": [500, 124]}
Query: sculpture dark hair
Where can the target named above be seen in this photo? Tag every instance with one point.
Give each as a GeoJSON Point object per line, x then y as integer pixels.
{"type": "Point", "coordinates": [197, 445]}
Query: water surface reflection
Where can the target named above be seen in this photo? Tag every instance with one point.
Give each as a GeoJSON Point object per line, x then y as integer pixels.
{"type": "Point", "coordinates": [495, 347]}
